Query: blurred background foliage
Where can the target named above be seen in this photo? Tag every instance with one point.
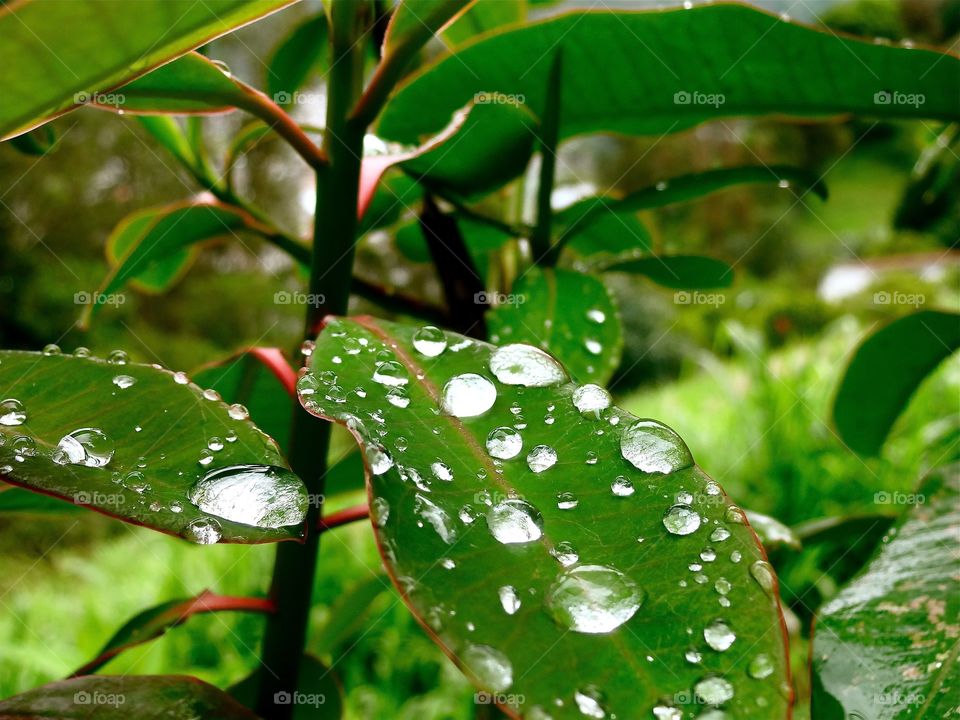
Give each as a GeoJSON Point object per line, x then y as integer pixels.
{"type": "Point", "coordinates": [748, 381]}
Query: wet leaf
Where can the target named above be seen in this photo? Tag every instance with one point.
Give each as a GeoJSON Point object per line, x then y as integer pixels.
{"type": "Point", "coordinates": [120, 697]}
{"type": "Point", "coordinates": [18, 500]}
{"type": "Point", "coordinates": [609, 236]}
{"type": "Point", "coordinates": [886, 646]}
{"type": "Point", "coordinates": [681, 272]}
{"type": "Point", "coordinates": [542, 560]}
{"type": "Point", "coordinates": [881, 377]}
{"type": "Point", "coordinates": [134, 442]}
{"type": "Point", "coordinates": [414, 21]}
{"type": "Point", "coordinates": [569, 314]}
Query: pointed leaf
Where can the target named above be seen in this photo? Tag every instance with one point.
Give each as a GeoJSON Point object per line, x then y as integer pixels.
{"type": "Point", "coordinates": [120, 697]}
{"type": "Point", "coordinates": [610, 235]}
{"type": "Point", "coordinates": [540, 596]}
{"type": "Point", "coordinates": [886, 646]}
{"type": "Point", "coordinates": [881, 376]}
{"type": "Point", "coordinates": [158, 427]}
{"type": "Point", "coordinates": [414, 22]}
{"type": "Point", "coordinates": [58, 52]}
{"type": "Point", "coordinates": [768, 65]}
{"type": "Point", "coordinates": [569, 314]}
{"type": "Point", "coordinates": [682, 272]}
{"type": "Point", "coordinates": [302, 51]}
{"type": "Point", "coordinates": [160, 275]}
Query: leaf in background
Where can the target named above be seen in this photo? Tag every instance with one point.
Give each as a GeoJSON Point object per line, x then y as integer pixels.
{"type": "Point", "coordinates": [36, 142]}
{"type": "Point", "coordinates": [160, 275]}
{"type": "Point", "coordinates": [174, 228]}
{"type": "Point", "coordinates": [395, 193]}
{"type": "Point", "coordinates": [347, 614]}
{"type": "Point", "coordinates": [569, 314]}
{"type": "Point", "coordinates": [414, 22]}
{"type": "Point", "coordinates": [135, 442]}
{"type": "Point", "coordinates": [57, 49]}
{"type": "Point", "coordinates": [167, 131]}
{"type": "Point", "coordinates": [545, 563]}
{"type": "Point", "coordinates": [18, 500]}
{"type": "Point", "coordinates": [154, 622]}
{"type": "Point", "coordinates": [772, 533]}
{"type": "Point", "coordinates": [302, 50]}
{"type": "Point", "coordinates": [260, 379]}
{"type": "Point", "coordinates": [886, 370]}
{"type": "Point", "coordinates": [482, 17]}
{"type": "Point", "coordinates": [681, 272]}
{"type": "Point", "coordinates": [609, 235]}
{"type": "Point", "coordinates": [318, 686]}
{"type": "Point", "coordinates": [885, 647]}
{"type": "Point", "coordinates": [683, 84]}
{"type": "Point", "coordinates": [121, 697]}
{"type": "Point", "coordinates": [481, 241]}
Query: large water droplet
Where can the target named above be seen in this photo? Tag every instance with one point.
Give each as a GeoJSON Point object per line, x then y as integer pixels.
{"type": "Point", "coordinates": [86, 446]}
{"type": "Point", "coordinates": [489, 666]}
{"type": "Point", "coordinates": [437, 517]}
{"type": "Point", "coordinates": [467, 395]}
{"type": "Point", "coordinates": [652, 447]}
{"type": "Point", "coordinates": [509, 599]}
{"type": "Point", "coordinates": [391, 373]}
{"type": "Point", "coordinates": [430, 341]}
{"type": "Point", "coordinates": [12, 412]}
{"type": "Point", "coordinates": [542, 457]}
{"type": "Point", "coordinates": [714, 690]}
{"type": "Point", "coordinates": [681, 520]}
{"type": "Point", "coordinates": [591, 399]}
{"type": "Point", "coordinates": [760, 667]}
{"type": "Point", "coordinates": [590, 702]}
{"type": "Point", "coordinates": [504, 443]}
{"type": "Point", "coordinates": [718, 635]}
{"type": "Point", "coordinates": [441, 471]}
{"type": "Point", "coordinates": [259, 495]}
{"type": "Point", "coordinates": [515, 521]}
{"type": "Point", "coordinates": [203, 531]}
{"type": "Point", "coordinates": [378, 458]}
{"type": "Point", "coordinates": [124, 381]}
{"type": "Point", "coordinates": [520, 364]}
{"type": "Point", "coordinates": [593, 599]}
{"type": "Point", "coordinates": [762, 572]}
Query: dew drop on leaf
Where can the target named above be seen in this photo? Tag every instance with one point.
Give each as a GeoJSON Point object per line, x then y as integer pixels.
{"type": "Point", "coordinates": [667, 712]}
{"type": "Point", "coordinates": [718, 635]}
{"type": "Point", "coordinates": [87, 446]}
{"type": "Point", "coordinates": [437, 517]}
{"type": "Point", "coordinates": [714, 690]}
{"type": "Point", "coordinates": [591, 399]}
{"type": "Point", "coordinates": [681, 520]}
{"type": "Point", "coordinates": [12, 412]}
{"type": "Point", "coordinates": [762, 572]}
{"type": "Point", "coordinates": [526, 365]}
{"type": "Point", "coordinates": [124, 381]}
{"type": "Point", "coordinates": [760, 667]}
{"type": "Point", "coordinates": [719, 534]}
{"type": "Point", "coordinates": [118, 357]}
{"type": "Point", "coordinates": [490, 667]}
{"type": "Point", "coordinates": [430, 341]}
{"type": "Point", "coordinates": [509, 599]}
{"type": "Point", "coordinates": [391, 373]}
{"type": "Point", "coordinates": [378, 459]}
{"type": "Point", "coordinates": [238, 412]}
{"type": "Point", "coordinates": [441, 471]}
{"type": "Point", "coordinates": [567, 501]}
{"type": "Point", "coordinates": [622, 487]}
{"type": "Point", "coordinates": [652, 447]}
{"type": "Point", "coordinates": [541, 458]}
{"type": "Point", "coordinates": [467, 395]}
{"type": "Point", "coordinates": [565, 553]}
{"type": "Point", "coordinates": [180, 378]}
{"type": "Point", "coordinates": [596, 315]}
{"type": "Point", "coordinates": [51, 349]}
{"type": "Point", "coordinates": [263, 496]}
{"type": "Point", "coordinates": [203, 531]}
{"type": "Point", "coordinates": [504, 443]}
{"type": "Point", "coordinates": [379, 511]}
{"type": "Point", "coordinates": [590, 702]}
{"type": "Point", "coordinates": [514, 521]}
{"type": "Point", "coordinates": [593, 599]}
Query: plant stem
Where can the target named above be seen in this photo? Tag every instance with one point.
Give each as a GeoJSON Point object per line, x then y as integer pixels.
{"type": "Point", "coordinates": [543, 254]}
{"type": "Point", "coordinates": [331, 270]}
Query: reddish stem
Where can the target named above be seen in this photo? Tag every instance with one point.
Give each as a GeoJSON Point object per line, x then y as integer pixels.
{"type": "Point", "coordinates": [343, 517]}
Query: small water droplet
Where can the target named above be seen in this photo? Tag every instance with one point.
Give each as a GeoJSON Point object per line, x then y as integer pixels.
{"type": "Point", "coordinates": [52, 349]}
{"type": "Point", "coordinates": [118, 357]}
{"type": "Point", "coordinates": [541, 458]}
{"type": "Point", "coordinates": [378, 458]}
{"type": "Point", "coordinates": [467, 395]}
{"type": "Point", "coordinates": [215, 444]}
{"type": "Point", "coordinates": [430, 341]}
{"type": "Point", "coordinates": [662, 711]}
{"type": "Point", "coordinates": [590, 702]}
{"type": "Point", "coordinates": [81, 352]}
{"type": "Point", "coordinates": [762, 572]}
{"type": "Point", "coordinates": [714, 690]}
{"type": "Point", "coordinates": [124, 381]}
{"type": "Point", "coordinates": [693, 656]}
{"type": "Point", "coordinates": [509, 599]}
{"type": "Point", "coordinates": [722, 586]}
{"type": "Point", "coordinates": [307, 347]}
{"type": "Point", "coordinates": [719, 534]}
{"type": "Point", "coordinates": [259, 495]}
{"type": "Point", "coordinates": [238, 412]}
{"type": "Point", "coordinates": [180, 378]}
{"type": "Point", "coordinates": [526, 365]}
{"type": "Point", "coordinates": [594, 347]}
{"type": "Point", "coordinates": [504, 443]}
{"type": "Point", "coordinates": [652, 447]}
{"type": "Point", "coordinates": [441, 471]}
{"type": "Point", "coordinates": [391, 373]}
{"type": "Point", "coordinates": [565, 553]}
{"type": "Point", "coordinates": [591, 399]}
{"type": "Point", "coordinates": [567, 501]}
{"type": "Point", "coordinates": [718, 635]}
{"type": "Point", "coordinates": [593, 599]}
{"type": "Point", "coordinates": [514, 521]}
{"type": "Point", "coordinates": [379, 511]}
{"type": "Point", "coordinates": [596, 315]}
{"type": "Point", "coordinates": [490, 667]}
{"type": "Point", "coordinates": [681, 520]}
{"type": "Point", "coordinates": [211, 394]}
{"type": "Point", "coordinates": [708, 554]}
{"type": "Point", "coordinates": [760, 667]}
{"type": "Point", "coordinates": [437, 517]}
{"type": "Point", "coordinates": [396, 396]}
{"type": "Point", "coordinates": [12, 412]}
{"type": "Point", "coordinates": [622, 487]}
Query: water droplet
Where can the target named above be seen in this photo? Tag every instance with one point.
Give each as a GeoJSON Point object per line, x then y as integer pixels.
{"type": "Point", "coordinates": [238, 412]}
{"type": "Point", "coordinates": [591, 399]}
{"type": "Point", "coordinates": [307, 347]}
{"type": "Point", "coordinates": [520, 364]}
{"type": "Point", "coordinates": [176, 507]}
{"type": "Point", "coordinates": [467, 395]}
{"type": "Point", "coordinates": [622, 487]}
{"type": "Point", "coordinates": [231, 437]}
{"type": "Point", "coordinates": [662, 711]}
{"type": "Point", "coordinates": [215, 444]}
{"type": "Point", "coordinates": [397, 396]}
{"type": "Point", "coordinates": [448, 564]}
{"type": "Point", "coordinates": [567, 501]}
{"type": "Point", "coordinates": [206, 458]}
{"type": "Point", "coordinates": [719, 534]}
{"type": "Point", "coordinates": [87, 446]}
{"type": "Point", "coordinates": [124, 381]}
{"type": "Point", "coordinates": [590, 702]}
{"type": "Point", "coordinates": [259, 495]}
{"type": "Point", "coordinates": [51, 349]}
{"type": "Point", "coordinates": [760, 667]}
{"type": "Point", "coordinates": [437, 517]}
{"type": "Point", "coordinates": [490, 667]}
{"type": "Point", "coordinates": [430, 341]}
{"type": "Point", "coordinates": [541, 458]}
{"type": "Point", "coordinates": [681, 520]}
{"type": "Point", "coordinates": [504, 443]}
{"type": "Point", "coordinates": [735, 556]}
{"type": "Point", "coordinates": [693, 656]}
{"type": "Point", "coordinates": [762, 572]}
{"type": "Point", "coordinates": [652, 447]}
{"type": "Point", "coordinates": [180, 378]}
{"type": "Point", "coordinates": [441, 471]}
{"type": "Point", "coordinates": [81, 352]}
{"type": "Point", "coordinates": [379, 511]}
{"type": "Point", "coordinates": [514, 521]}
{"type": "Point", "coordinates": [391, 373]}
{"type": "Point", "coordinates": [509, 599]}
{"type": "Point", "coordinates": [23, 447]}
{"type": "Point", "coordinates": [12, 412]}
{"type": "Point", "coordinates": [211, 394]}
{"type": "Point", "coordinates": [708, 554]}
{"type": "Point", "coordinates": [714, 690]}
{"type": "Point", "coordinates": [596, 315]}
{"type": "Point", "coordinates": [592, 458]}
{"type": "Point", "coordinates": [378, 458]}
{"type": "Point", "coordinates": [718, 635]}
{"type": "Point", "coordinates": [734, 515]}
{"type": "Point", "coordinates": [203, 531]}
{"type": "Point", "coordinates": [593, 599]}
{"type": "Point", "coordinates": [565, 553]}
{"type": "Point", "coordinates": [722, 586]}
{"type": "Point", "coordinates": [594, 347]}
{"type": "Point", "coordinates": [118, 357]}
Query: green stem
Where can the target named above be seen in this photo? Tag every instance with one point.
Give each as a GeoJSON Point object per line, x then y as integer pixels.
{"type": "Point", "coordinates": [549, 134]}
{"type": "Point", "coordinates": [335, 226]}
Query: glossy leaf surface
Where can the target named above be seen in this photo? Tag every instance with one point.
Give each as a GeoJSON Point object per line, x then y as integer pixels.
{"type": "Point", "coordinates": [682, 83]}
{"type": "Point", "coordinates": [547, 565]}
{"type": "Point", "coordinates": [883, 375]}
{"type": "Point", "coordinates": [682, 272]}
{"type": "Point", "coordinates": [569, 314]}
{"type": "Point", "coordinates": [886, 646]}
{"type": "Point", "coordinates": [157, 276]}
{"type": "Point", "coordinates": [131, 441]}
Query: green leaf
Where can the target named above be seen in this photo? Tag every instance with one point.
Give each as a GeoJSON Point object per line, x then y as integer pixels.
{"type": "Point", "coordinates": [18, 500]}
{"type": "Point", "coordinates": [681, 272]}
{"type": "Point", "coordinates": [885, 371]}
{"type": "Point", "coordinates": [157, 429]}
{"type": "Point", "coordinates": [167, 131]}
{"type": "Point", "coordinates": [160, 275]}
{"type": "Point", "coordinates": [120, 697]}
{"type": "Point", "coordinates": [37, 142]}
{"type": "Point", "coordinates": [414, 22]}
{"type": "Point", "coordinates": [302, 51]}
{"type": "Point", "coordinates": [608, 236]}
{"type": "Point", "coordinates": [481, 241]}
{"type": "Point", "coordinates": [772, 532]}
{"type": "Point", "coordinates": [319, 692]}
{"type": "Point", "coordinates": [170, 231]}
{"type": "Point", "coordinates": [482, 17]}
{"type": "Point", "coordinates": [55, 50]}
{"type": "Point", "coordinates": [477, 545]}
{"type": "Point", "coordinates": [154, 622]}
{"type": "Point", "coordinates": [767, 66]}
{"type": "Point", "coordinates": [886, 646]}
{"type": "Point", "coordinates": [567, 313]}
{"type": "Point", "coordinates": [261, 380]}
